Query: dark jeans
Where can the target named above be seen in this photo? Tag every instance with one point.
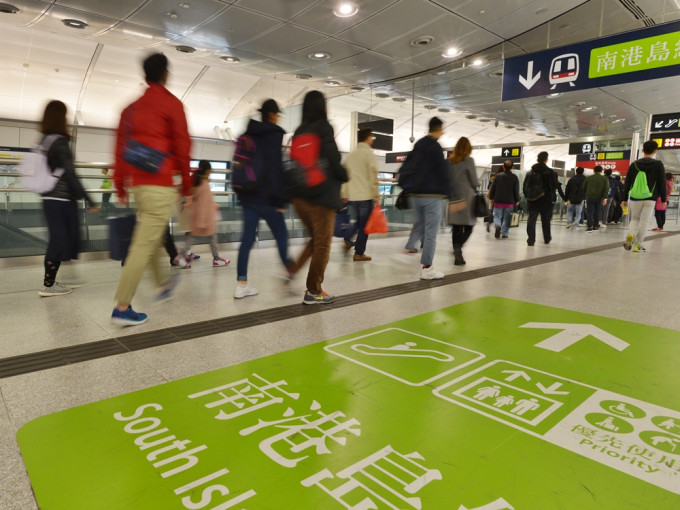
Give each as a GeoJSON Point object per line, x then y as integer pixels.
{"type": "Point", "coordinates": [319, 222]}
{"type": "Point", "coordinates": [361, 209]}
{"type": "Point", "coordinates": [63, 229]}
{"type": "Point", "coordinates": [251, 217]}
{"type": "Point", "coordinates": [594, 211]}
{"type": "Point", "coordinates": [169, 244]}
{"type": "Point", "coordinates": [660, 218]}
{"type": "Point", "coordinates": [460, 234]}
{"type": "Point", "coordinates": [546, 211]}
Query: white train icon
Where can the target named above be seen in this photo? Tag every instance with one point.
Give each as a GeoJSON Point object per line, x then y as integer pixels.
{"type": "Point", "coordinates": [564, 69]}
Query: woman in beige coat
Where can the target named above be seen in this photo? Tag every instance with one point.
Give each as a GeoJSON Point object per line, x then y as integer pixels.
{"type": "Point", "coordinates": [203, 214]}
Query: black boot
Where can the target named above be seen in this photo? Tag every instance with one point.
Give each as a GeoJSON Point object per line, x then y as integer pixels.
{"type": "Point", "coordinates": [458, 254]}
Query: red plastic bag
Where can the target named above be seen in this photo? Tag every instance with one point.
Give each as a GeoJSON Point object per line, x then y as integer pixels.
{"type": "Point", "coordinates": [377, 222]}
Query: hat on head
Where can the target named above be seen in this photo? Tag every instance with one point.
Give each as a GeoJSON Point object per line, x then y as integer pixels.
{"type": "Point", "coordinates": [269, 106]}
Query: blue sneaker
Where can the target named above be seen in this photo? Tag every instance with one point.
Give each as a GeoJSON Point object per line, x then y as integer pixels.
{"type": "Point", "coordinates": [128, 318]}
{"type": "Point", "coordinates": [167, 292]}
{"type": "Point", "coordinates": [191, 256]}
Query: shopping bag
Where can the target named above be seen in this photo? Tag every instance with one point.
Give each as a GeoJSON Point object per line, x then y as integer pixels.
{"type": "Point", "coordinates": [377, 222]}
{"type": "Point", "coordinates": [120, 235]}
{"type": "Point", "coordinates": [514, 220]}
{"type": "Point", "coordinates": [342, 223]}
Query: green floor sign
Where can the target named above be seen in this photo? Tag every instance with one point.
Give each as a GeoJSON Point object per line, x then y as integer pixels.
{"type": "Point", "coordinates": [493, 404]}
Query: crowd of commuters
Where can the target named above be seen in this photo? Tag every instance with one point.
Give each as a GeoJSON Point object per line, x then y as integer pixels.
{"type": "Point", "coordinates": [156, 124]}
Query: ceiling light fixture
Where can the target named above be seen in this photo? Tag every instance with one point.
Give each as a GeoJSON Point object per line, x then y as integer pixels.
{"type": "Point", "coordinates": [554, 94]}
{"type": "Point", "coordinates": [496, 74]}
{"type": "Point", "coordinates": [617, 121]}
{"type": "Point", "coordinates": [382, 95]}
{"type": "Point", "coordinates": [471, 117]}
{"type": "Point", "coordinates": [319, 55]}
{"type": "Point", "coordinates": [444, 110]}
{"type": "Point", "coordinates": [484, 120]}
{"type": "Point", "coordinates": [452, 52]}
{"type": "Point", "coordinates": [303, 76]}
{"type": "Point", "coordinates": [399, 99]}
{"type": "Point", "coordinates": [346, 9]}
{"type": "Point", "coordinates": [521, 129]}
{"type": "Point", "coordinates": [589, 108]}
{"type": "Point", "coordinates": [540, 134]}
{"type": "Point", "coordinates": [508, 126]}
{"type": "Point", "coordinates": [332, 83]}
{"type": "Point", "coordinates": [358, 88]}
{"type": "Point", "coordinates": [430, 106]}
{"type": "Point", "coordinates": [230, 59]}
{"type": "Point", "coordinates": [185, 49]}
{"type": "Point", "coordinates": [505, 110]}
{"type": "Point", "coordinates": [8, 9]}
{"type": "Point", "coordinates": [423, 40]}
{"type": "Point", "coordinates": [478, 62]}
{"type": "Point", "coordinates": [75, 23]}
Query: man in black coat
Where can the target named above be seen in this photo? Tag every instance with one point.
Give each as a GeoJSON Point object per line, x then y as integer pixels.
{"type": "Point", "coordinates": [542, 204]}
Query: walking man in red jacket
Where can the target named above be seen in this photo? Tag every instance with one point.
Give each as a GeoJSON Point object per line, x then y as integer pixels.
{"type": "Point", "coordinates": [152, 146]}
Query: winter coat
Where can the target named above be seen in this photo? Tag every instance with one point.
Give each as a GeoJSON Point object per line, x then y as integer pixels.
{"type": "Point", "coordinates": [549, 178]}
{"type": "Point", "coordinates": [362, 170]}
{"type": "Point", "coordinates": [268, 139]}
{"type": "Point", "coordinates": [330, 197]}
{"type": "Point", "coordinates": [435, 170]}
{"type": "Point", "coordinates": [464, 183]}
{"type": "Point", "coordinates": [505, 188]}
{"type": "Point", "coordinates": [575, 192]}
{"type": "Point", "coordinates": [656, 177]}
{"type": "Point", "coordinates": [203, 210]}
{"type": "Point", "coordinates": [596, 186]}
{"type": "Point", "coordinates": [68, 186]}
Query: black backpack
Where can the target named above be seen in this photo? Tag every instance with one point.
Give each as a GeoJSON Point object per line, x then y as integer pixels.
{"type": "Point", "coordinates": [410, 173]}
{"type": "Point", "coordinates": [578, 193]}
{"type": "Point", "coordinates": [533, 186]}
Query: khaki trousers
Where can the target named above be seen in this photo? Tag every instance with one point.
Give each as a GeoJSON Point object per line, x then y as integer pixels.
{"type": "Point", "coordinates": [154, 208]}
{"type": "Point", "coordinates": [319, 221]}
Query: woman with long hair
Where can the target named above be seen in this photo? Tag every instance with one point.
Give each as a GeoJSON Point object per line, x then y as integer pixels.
{"type": "Point", "coordinates": [61, 203]}
{"type": "Point", "coordinates": [464, 183]}
{"type": "Point", "coordinates": [317, 212]}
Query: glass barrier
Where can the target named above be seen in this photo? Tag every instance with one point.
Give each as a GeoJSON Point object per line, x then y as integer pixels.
{"type": "Point", "coordinates": [23, 230]}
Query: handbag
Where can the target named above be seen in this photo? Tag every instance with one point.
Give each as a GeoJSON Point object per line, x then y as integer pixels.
{"type": "Point", "coordinates": [137, 154]}
{"type": "Point", "coordinates": [480, 207]}
{"type": "Point", "coordinates": [402, 201]}
{"type": "Point", "coordinates": [377, 222]}
{"type": "Point", "coordinates": [121, 229]}
{"type": "Point", "coordinates": [342, 223]}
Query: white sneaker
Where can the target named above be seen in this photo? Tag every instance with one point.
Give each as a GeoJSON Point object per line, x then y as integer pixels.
{"type": "Point", "coordinates": [428, 273]}
{"type": "Point", "coordinates": [242, 291]}
{"type": "Point", "coordinates": [57, 289]}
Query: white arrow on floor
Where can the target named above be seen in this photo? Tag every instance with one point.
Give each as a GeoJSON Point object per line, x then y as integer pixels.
{"type": "Point", "coordinates": [552, 389]}
{"type": "Point", "coordinates": [499, 504]}
{"type": "Point", "coordinates": [573, 333]}
{"type": "Point", "coordinates": [530, 81]}
{"type": "Point", "coordinates": [514, 374]}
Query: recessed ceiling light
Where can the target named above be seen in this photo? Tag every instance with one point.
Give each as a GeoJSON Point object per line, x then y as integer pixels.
{"type": "Point", "coordinates": [508, 126]}
{"type": "Point", "coordinates": [399, 99]}
{"type": "Point", "coordinates": [576, 105]}
{"type": "Point", "coordinates": [496, 74]}
{"type": "Point", "coordinates": [471, 116]}
{"type": "Point", "coordinates": [542, 10]}
{"type": "Point", "coordinates": [554, 94]}
{"type": "Point", "coordinates": [172, 15]}
{"type": "Point", "coordinates": [617, 121]}
{"type": "Point", "coordinates": [358, 88]}
{"type": "Point", "coordinates": [303, 76]}
{"type": "Point", "coordinates": [505, 110]}
{"type": "Point", "coordinates": [484, 120]}
{"type": "Point", "coordinates": [423, 40]}
{"type": "Point", "coordinates": [75, 23]}
{"type": "Point", "coordinates": [319, 55]}
{"type": "Point", "coordinates": [184, 5]}
{"type": "Point", "coordinates": [185, 49]}
{"type": "Point", "coordinates": [346, 9]}
{"type": "Point", "coordinates": [331, 83]}
{"type": "Point", "coordinates": [521, 129]}
{"type": "Point", "coordinates": [452, 52]}
{"type": "Point", "coordinates": [550, 136]}
{"type": "Point", "coordinates": [382, 95]}
{"type": "Point", "coordinates": [8, 9]}
{"type": "Point", "coordinates": [478, 62]}
{"type": "Point", "coordinates": [589, 108]}
{"type": "Point", "coordinates": [430, 106]}
{"type": "Point", "coordinates": [444, 110]}
{"type": "Point", "coordinates": [230, 59]}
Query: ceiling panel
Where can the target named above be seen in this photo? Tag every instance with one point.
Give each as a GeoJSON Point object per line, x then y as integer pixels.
{"type": "Point", "coordinates": [392, 22]}
{"type": "Point", "coordinates": [337, 49]}
{"type": "Point", "coordinates": [157, 14]}
{"type": "Point", "coordinates": [281, 40]}
{"type": "Point", "coordinates": [484, 12]}
{"type": "Point", "coordinates": [235, 26]}
{"type": "Point", "coordinates": [117, 9]}
{"type": "Point", "coordinates": [283, 10]}
{"type": "Point", "coordinates": [320, 17]}
{"type": "Point", "coordinates": [29, 10]}
{"type": "Point", "coordinates": [531, 15]}
{"type": "Point", "coordinates": [51, 22]}
{"type": "Point", "coordinates": [131, 35]}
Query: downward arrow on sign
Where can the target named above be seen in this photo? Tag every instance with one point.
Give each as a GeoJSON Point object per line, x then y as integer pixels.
{"type": "Point", "coordinates": [530, 80]}
{"type": "Point", "coordinates": [573, 333]}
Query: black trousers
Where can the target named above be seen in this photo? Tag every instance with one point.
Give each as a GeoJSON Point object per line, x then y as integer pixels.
{"type": "Point", "coordinates": [460, 234]}
{"type": "Point", "coordinates": [593, 212]}
{"type": "Point", "coordinates": [545, 210]}
{"type": "Point", "coordinates": [660, 218]}
{"type": "Point", "coordinates": [63, 229]}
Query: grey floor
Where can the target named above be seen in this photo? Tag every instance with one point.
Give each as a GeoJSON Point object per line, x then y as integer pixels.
{"type": "Point", "coordinates": [643, 288]}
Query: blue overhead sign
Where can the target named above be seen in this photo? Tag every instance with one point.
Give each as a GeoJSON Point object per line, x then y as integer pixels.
{"type": "Point", "coordinates": [644, 54]}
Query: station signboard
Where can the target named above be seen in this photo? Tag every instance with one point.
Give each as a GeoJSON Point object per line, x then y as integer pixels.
{"type": "Point", "coordinates": [617, 161]}
{"type": "Point", "coordinates": [638, 55]}
{"type": "Point", "coordinates": [667, 140]}
{"type": "Point", "coordinates": [582, 148]}
{"type": "Point", "coordinates": [514, 152]}
{"type": "Point", "coordinates": [664, 122]}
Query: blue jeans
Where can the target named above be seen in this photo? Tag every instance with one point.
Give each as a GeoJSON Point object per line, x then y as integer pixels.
{"type": "Point", "coordinates": [574, 213]}
{"type": "Point", "coordinates": [501, 218]}
{"type": "Point", "coordinates": [361, 209]}
{"type": "Point", "coordinates": [251, 217]}
{"type": "Point", "coordinates": [429, 212]}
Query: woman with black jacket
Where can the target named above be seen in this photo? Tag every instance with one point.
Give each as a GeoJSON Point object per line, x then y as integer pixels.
{"type": "Point", "coordinates": [61, 204]}
{"type": "Point", "coordinates": [317, 212]}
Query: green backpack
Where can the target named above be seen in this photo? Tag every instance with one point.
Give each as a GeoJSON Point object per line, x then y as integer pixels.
{"type": "Point", "coordinates": [640, 189]}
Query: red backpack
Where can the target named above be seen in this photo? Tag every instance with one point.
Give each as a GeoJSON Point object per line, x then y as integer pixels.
{"type": "Point", "coordinates": [305, 174]}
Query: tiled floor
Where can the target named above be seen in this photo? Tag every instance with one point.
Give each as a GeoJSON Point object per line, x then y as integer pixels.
{"type": "Point", "coordinates": [642, 288]}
